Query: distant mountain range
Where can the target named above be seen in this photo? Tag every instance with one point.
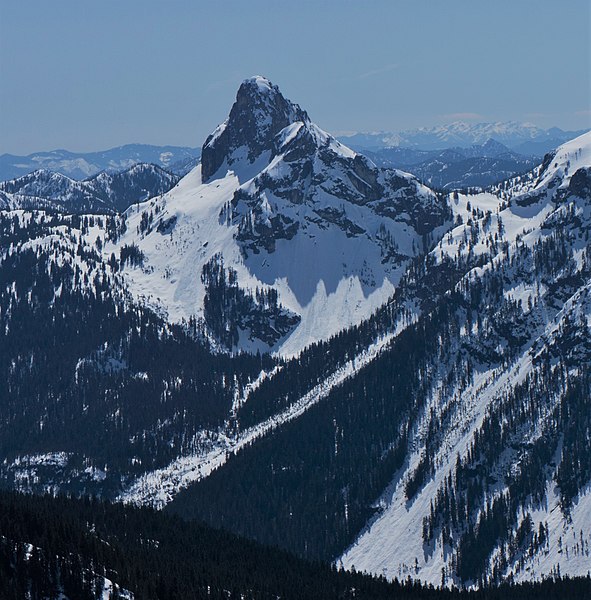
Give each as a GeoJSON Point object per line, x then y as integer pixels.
{"type": "Point", "coordinates": [398, 149]}
{"type": "Point", "coordinates": [524, 138]}
{"type": "Point", "coordinates": [102, 193]}
{"type": "Point", "coordinates": [454, 168]}
{"type": "Point", "coordinates": [80, 165]}
{"type": "Point", "coordinates": [457, 168]}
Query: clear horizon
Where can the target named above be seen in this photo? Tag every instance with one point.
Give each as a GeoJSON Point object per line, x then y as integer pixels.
{"type": "Point", "coordinates": [91, 76]}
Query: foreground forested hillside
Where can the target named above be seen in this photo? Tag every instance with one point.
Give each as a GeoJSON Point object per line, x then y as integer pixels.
{"type": "Point", "coordinates": [85, 549]}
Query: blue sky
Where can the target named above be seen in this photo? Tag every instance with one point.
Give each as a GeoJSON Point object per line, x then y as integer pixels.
{"type": "Point", "coordinates": [87, 75]}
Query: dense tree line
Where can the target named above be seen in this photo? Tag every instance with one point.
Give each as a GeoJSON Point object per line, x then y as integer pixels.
{"type": "Point", "coordinates": [51, 547]}
{"type": "Point", "coordinates": [230, 311]}
{"type": "Point", "coordinates": [310, 486]}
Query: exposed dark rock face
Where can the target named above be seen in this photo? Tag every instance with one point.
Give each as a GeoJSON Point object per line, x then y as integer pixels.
{"type": "Point", "coordinates": [296, 176]}
{"type": "Point", "coordinates": [258, 115]}
{"type": "Point", "coordinates": [580, 183]}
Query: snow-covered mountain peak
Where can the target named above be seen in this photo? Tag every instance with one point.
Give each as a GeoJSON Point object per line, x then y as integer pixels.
{"type": "Point", "coordinates": [259, 113]}
{"type": "Point", "coordinates": [263, 84]}
{"type": "Point", "coordinates": [444, 434]}
{"type": "Point", "coordinates": [286, 208]}
{"type": "Point", "coordinates": [524, 138]}
{"type": "Point", "coordinates": [103, 192]}
{"type": "Point", "coordinates": [41, 182]}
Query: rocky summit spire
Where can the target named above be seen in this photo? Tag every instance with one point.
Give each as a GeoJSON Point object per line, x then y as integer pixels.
{"type": "Point", "coordinates": [259, 113]}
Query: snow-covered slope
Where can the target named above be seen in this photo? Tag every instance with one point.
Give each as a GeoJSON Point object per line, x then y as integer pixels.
{"type": "Point", "coordinates": [523, 254]}
{"type": "Point", "coordinates": [495, 481]}
{"type": "Point", "coordinates": [553, 207]}
{"type": "Point", "coordinates": [158, 488]}
{"type": "Point", "coordinates": [280, 204]}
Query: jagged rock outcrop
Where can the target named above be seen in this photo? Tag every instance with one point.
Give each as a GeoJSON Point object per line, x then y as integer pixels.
{"type": "Point", "coordinates": [258, 115]}
{"type": "Point", "coordinates": [297, 178]}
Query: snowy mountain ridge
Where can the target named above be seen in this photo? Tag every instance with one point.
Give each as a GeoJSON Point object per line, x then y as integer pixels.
{"type": "Point", "coordinates": [102, 193]}
{"type": "Point", "coordinates": [534, 316]}
{"type": "Point", "coordinates": [524, 225]}
{"type": "Point", "coordinates": [506, 350]}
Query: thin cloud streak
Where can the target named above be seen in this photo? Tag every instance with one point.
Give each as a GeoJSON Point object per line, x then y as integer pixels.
{"type": "Point", "coordinates": [380, 71]}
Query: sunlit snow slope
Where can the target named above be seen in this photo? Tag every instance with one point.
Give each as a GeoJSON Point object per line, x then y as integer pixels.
{"type": "Point", "coordinates": [517, 232]}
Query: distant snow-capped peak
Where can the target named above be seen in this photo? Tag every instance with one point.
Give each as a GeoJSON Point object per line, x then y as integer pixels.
{"type": "Point", "coordinates": [461, 133]}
